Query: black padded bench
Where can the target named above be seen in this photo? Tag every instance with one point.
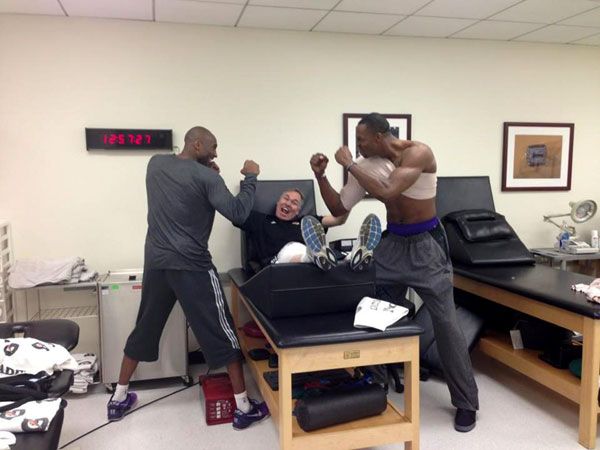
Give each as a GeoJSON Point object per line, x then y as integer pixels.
{"type": "Point", "coordinates": [329, 341]}
{"type": "Point", "coordinates": [538, 291]}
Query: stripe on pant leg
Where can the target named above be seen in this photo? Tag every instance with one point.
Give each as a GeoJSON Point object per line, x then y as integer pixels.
{"type": "Point", "coordinates": [221, 309]}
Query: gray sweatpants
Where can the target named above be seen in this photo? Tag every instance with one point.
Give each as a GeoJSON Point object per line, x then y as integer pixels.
{"type": "Point", "coordinates": [422, 262]}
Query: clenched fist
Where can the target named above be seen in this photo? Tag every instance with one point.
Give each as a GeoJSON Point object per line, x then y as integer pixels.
{"type": "Point", "coordinates": [318, 164]}
{"type": "Point", "coordinates": [343, 156]}
{"type": "Point", "coordinates": [250, 168]}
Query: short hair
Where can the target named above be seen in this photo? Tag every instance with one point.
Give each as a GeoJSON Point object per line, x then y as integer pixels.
{"type": "Point", "coordinates": [299, 193]}
{"type": "Point", "coordinates": [376, 123]}
{"type": "Point", "coordinates": [197, 133]}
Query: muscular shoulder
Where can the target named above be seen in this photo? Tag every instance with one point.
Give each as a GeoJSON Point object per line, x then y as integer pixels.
{"type": "Point", "coordinates": [376, 165]}
{"type": "Point", "coordinates": [418, 155]}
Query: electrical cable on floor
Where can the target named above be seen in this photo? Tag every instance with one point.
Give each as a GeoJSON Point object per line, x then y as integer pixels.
{"type": "Point", "coordinates": [130, 412]}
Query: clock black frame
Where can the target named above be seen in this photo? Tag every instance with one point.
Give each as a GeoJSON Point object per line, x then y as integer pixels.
{"type": "Point", "coordinates": [128, 139]}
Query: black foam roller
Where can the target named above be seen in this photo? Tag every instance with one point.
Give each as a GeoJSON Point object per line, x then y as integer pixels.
{"type": "Point", "coordinates": [333, 407]}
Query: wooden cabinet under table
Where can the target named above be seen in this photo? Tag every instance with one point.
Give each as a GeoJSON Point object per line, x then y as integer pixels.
{"type": "Point", "coordinates": [393, 425]}
{"type": "Point", "coordinates": [584, 391]}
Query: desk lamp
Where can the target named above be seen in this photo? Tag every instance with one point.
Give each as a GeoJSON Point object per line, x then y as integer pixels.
{"type": "Point", "coordinates": [581, 212]}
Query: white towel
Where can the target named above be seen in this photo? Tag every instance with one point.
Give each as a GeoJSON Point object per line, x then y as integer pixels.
{"type": "Point", "coordinates": [378, 314]}
{"type": "Point", "coordinates": [88, 275]}
{"type": "Point", "coordinates": [591, 291]}
{"type": "Point", "coordinates": [85, 361]}
{"type": "Point", "coordinates": [79, 390]}
{"type": "Point", "coordinates": [30, 273]}
{"type": "Point", "coordinates": [6, 440]}
{"type": "Point", "coordinates": [87, 367]}
{"type": "Point", "coordinates": [28, 355]}
{"type": "Point", "coordinates": [77, 269]}
{"type": "Point", "coordinates": [32, 416]}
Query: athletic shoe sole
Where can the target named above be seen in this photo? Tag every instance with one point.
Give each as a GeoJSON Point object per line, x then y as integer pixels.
{"type": "Point", "coordinates": [463, 422]}
{"type": "Point", "coordinates": [253, 423]}
{"type": "Point", "coordinates": [464, 429]}
{"type": "Point", "coordinates": [369, 236]}
{"type": "Point", "coordinates": [314, 238]}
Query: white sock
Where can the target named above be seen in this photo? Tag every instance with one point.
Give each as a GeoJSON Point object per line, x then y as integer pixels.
{"type": "Point", "coordinates": [242, 403]}
{"type": "Point", "coordinates": [120, 392]}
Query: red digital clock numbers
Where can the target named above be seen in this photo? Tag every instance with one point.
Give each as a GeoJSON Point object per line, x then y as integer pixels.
{"type": "Point", "coordinates": [123, 138]}
{"type": "Point", "coordinates": [128, 139]}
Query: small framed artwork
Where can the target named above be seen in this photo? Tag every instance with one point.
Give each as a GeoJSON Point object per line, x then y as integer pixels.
{"type": "Point", "coordinates": [400, 127]}
{"type": "Point", "coordinates": [537, 156]}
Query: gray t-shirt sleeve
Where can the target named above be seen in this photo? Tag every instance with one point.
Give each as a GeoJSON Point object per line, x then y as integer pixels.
{"type": "Point", "coordinates": [234, 208]}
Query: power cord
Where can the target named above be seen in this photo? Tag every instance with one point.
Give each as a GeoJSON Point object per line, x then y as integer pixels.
{"type": "Point", "coordinates": [130, 412]}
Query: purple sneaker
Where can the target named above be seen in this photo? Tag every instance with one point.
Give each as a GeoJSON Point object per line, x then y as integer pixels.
{"type": "Point", "coordinates": [258, 413]}
{"type": "Point", "coordinates": [116, 410]}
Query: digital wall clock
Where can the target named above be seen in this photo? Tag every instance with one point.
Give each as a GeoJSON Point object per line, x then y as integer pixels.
{"type": "Point", "coordinates": [128, 139]}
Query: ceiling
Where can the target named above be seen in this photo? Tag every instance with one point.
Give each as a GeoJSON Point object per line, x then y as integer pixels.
{"type": "Point", "coordinates": [552, 21]}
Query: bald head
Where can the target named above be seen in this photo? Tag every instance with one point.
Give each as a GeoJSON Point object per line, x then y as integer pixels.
{"type": "Point", "coordinates": [196, 133]}
{"type": "Point", "coordinates": [199, 144]}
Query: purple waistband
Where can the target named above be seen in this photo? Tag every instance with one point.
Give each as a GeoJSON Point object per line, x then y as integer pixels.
{"type": "Point", "coordinates": [409, 229]}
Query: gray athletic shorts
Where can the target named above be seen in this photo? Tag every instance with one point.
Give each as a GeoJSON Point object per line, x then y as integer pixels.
{"type": "Point", "coordinates": [204, 305]}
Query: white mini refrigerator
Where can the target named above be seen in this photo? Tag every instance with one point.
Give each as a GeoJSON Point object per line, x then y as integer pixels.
{"type": "Point", "coordinates": [120, 296]}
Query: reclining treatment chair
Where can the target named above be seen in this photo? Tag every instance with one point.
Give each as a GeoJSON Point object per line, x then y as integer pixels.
{"type": "Point", "coordinates": [297, 289]}
{"type": "Point", "coordinates": [265, 199]}
{"type": "Point", "coordinates": [54, 331]}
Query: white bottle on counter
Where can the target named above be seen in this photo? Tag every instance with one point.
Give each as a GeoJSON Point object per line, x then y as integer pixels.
{"type": "Point", "coordinates": [594, 239]}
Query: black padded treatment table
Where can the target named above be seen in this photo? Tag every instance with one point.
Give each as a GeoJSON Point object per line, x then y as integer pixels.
{"type": "Point", "coordinates": [538, 291]}
{"type": "Point", "coordinates": [329, 341]}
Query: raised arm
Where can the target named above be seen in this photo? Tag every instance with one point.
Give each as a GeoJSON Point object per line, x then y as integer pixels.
{"type": "Point", "coordinates": [318, 163]}
{"type": "Point", "coordinates": [416, 157]}
{"type": "Point", "coordinates": [235, 208]}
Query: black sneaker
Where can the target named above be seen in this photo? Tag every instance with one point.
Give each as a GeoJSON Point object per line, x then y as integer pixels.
{"type": "Point", "coordinates": [464, 420]}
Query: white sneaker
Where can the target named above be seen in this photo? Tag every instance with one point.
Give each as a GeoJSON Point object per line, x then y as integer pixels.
{"type": "Point", "coordinates": [314, 238]}
{"type": "Point", "coordinates": [369, 236]}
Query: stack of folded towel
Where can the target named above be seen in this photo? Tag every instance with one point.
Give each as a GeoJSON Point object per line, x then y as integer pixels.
{"type": "Point", "coordinates": [85, 373]}
{"type": "Point", "coordinates": [591, 291]}
{"type": "Point", "coordinates": [30, 273]}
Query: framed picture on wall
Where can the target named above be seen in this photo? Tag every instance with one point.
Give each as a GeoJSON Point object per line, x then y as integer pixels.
{"type": "Point", "coordinates": [400, 127]}
{"type": "Point", "coordinates": [537, 156]}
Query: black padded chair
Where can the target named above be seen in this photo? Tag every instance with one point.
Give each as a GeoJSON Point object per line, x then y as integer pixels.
{"type": "Point", "coordinates": [265, 199]}
{"type": "Point", "coordinates": [295, 289]}
{"type": "Point", "coordinates": [55, 331]}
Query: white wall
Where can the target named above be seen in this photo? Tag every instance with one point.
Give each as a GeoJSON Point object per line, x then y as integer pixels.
{"type": "Point", "coordinates": [273, 96]}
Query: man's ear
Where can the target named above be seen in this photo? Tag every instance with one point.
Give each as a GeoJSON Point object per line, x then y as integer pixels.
{"type": "Point", "coordinates": [198, 147]}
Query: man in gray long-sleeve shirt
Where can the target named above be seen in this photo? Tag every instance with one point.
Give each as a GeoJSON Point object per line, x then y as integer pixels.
{"type": "Point", "coordinates": [184, 191]}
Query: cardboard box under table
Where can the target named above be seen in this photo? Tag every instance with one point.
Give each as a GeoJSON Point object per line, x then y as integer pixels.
{"type": "Point", "coordinates": [329, 341]}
